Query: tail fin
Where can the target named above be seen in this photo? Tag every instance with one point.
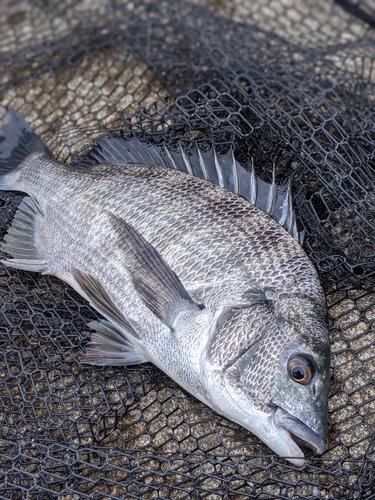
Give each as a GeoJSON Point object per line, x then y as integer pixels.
{"type": "Point", "coordinates": [17, 141]}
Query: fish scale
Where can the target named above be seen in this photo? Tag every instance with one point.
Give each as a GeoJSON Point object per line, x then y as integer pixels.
{"type": "Point", "coordinates": [188, 275]}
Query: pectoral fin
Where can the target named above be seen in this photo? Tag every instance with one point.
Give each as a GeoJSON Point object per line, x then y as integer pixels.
{"type": "Point", "coordinates": [156, 283]}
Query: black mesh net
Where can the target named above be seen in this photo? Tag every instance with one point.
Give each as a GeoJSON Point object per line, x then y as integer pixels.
{"type": "Point", "coordinates": [282, 82]}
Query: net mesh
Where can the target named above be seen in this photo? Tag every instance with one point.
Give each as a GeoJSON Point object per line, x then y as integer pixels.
{"type": "Point", "coordinates": [281, 82]}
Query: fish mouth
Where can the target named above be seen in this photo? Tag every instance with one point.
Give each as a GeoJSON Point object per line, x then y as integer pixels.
{"type": "Point", "coordinates": [299, 430]}
{"type": "Point", "coordinates": [276, 427]}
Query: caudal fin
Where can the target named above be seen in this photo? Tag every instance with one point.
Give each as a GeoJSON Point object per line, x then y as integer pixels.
{"type": "Point", "coordinates": [17, 141]}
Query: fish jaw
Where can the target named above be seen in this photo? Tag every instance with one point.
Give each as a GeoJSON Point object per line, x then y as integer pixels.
{"type": "Point", "coordinates": [273, 425]}
{"type": "Point", "coordinates": [263, 424]}
{"type": "Point", "coordinates": [297, 428]}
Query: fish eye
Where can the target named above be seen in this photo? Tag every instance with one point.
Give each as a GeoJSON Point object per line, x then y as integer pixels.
{"type": "Point", "coordinates": [301, 369]}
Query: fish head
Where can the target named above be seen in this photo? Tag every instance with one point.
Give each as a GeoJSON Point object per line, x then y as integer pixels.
{"type": "Point", "coordinates": [272, 377]}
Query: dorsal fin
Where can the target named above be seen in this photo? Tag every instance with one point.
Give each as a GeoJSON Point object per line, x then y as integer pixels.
{"type": "Point", "coordinates": [222, 170]}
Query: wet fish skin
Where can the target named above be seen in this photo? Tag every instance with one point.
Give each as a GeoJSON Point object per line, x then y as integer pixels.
{"type": "Point", "coordinates": [253, 299]}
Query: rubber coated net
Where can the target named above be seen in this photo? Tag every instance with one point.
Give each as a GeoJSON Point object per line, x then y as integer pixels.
{"type": "Point", "coordinates": [283, 83]}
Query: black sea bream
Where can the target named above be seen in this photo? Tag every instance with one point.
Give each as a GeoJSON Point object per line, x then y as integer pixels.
{"type": "Point", "coordinates": [188, 274]}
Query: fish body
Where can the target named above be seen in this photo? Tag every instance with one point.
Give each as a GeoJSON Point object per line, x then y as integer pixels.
{"type": "Point", "coordinates": [188, 275]}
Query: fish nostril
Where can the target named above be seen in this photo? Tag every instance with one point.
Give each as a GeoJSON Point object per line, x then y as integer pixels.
{"type": "Point", "coordinates": [317, 386]}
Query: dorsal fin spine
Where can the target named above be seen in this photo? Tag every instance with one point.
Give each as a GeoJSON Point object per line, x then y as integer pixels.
{"type": "Point", "coordinates": [202, 165]}
{"type": "Point", "coordinates": [187, 161]}
{"type": "Point", "coordinates": [236, 185]}
{"type": "Point", "coordinates": [218, 170]}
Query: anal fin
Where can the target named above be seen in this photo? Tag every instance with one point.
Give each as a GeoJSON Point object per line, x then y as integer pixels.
{"type": "Point", "coordinates": [109, 346]}
{"type": "Point", "coordinates": [19, 241]}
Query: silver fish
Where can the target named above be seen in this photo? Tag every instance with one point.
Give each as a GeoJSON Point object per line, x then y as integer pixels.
{"type": "Point", "coordinates": [189, 275]}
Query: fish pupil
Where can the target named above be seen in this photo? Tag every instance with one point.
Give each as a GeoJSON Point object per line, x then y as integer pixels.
{"type": "Point", "coordinates": [298, 373]}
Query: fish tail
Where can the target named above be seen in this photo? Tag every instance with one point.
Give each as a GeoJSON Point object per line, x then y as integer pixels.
{"type": "Point", "coordinates": [17, 142]}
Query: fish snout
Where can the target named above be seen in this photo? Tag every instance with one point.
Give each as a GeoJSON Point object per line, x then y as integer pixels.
{"type": "Point", "coordinates": [299, 430]}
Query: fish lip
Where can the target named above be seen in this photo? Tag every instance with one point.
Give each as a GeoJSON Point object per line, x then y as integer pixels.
{"type": "Point", "coordinates": [299, 430]}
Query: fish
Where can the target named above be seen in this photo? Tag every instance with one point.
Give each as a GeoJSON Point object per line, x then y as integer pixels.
{"type": "Point", "coordinates": [195, 264]}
